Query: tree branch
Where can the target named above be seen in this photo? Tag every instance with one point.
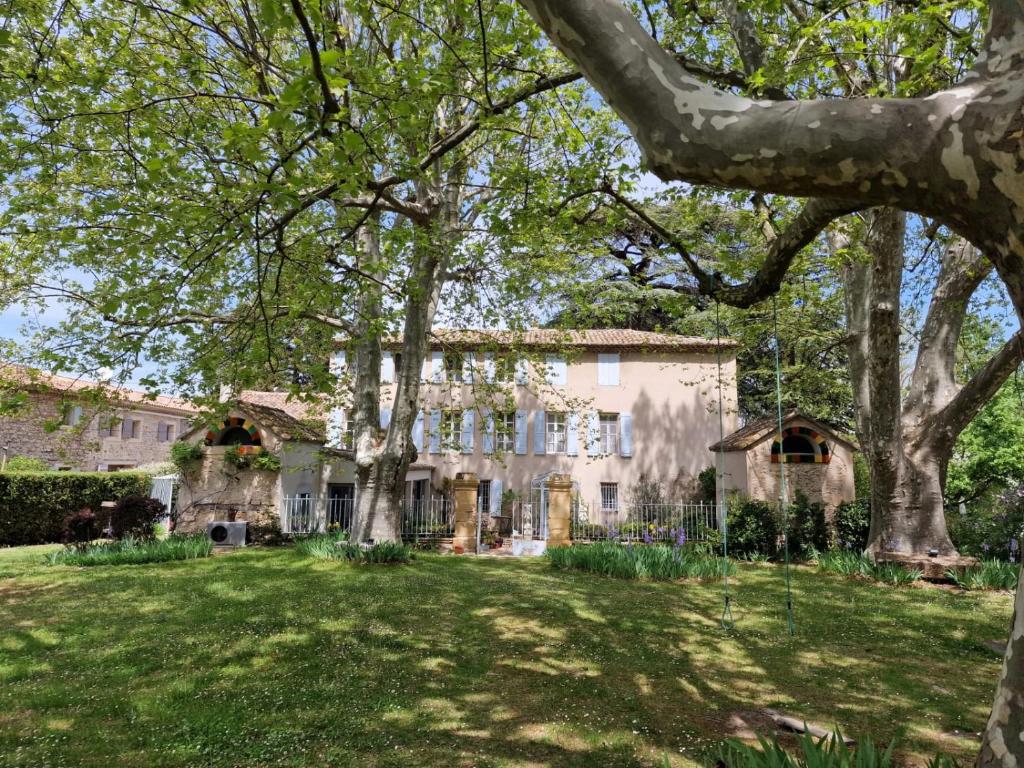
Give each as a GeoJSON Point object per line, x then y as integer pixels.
{"type": "Point", "coordinates": [331, 106]}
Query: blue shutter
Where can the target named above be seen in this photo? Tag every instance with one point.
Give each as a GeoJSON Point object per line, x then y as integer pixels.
{"type": "Point", "coordinates": [608, 369]}
{"type": "Point", "coordinates": [572, 434]}
{"type": "Point", "coordinates": [468, 366]}
{"type": "Point", "coordinates": [387, 368]}
{"type": "Point", "coordinates": [488, 431]}
{"type": "Point", "coordinates": [467, 431]}
{"type": "Point", "coordinates": [539, 437]}
{"type": "Point", "coordinates": [417, 431]}
{"type": "Point", "coordinates": [556, 370]}
{"type": "Point", "coordinates": [335, 427]}
{"type": "Point", "coordinates": [593, 434]}
{"type": "Point", "coordinates": [520, 427]}
{"type": "Point", "coordinates": [437, 363]}
{"type": "Point", "coordinates": [489, 367]}
{"type": "Point", "coordinates": [385, 417]}
{"type": "Point", "coordinates": [626, 434]}
{"type": "Point", "coordinates": [522, 372]}
{"type": "Point", "coordinates": [495, 497]}
{"type": "Point", "coordinates": [435, 431]}
{"type": "Point", "coordinates": [338, 363]}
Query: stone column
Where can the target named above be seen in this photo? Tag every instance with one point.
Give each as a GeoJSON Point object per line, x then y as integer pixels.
{"type": "Point", "coordinates": [559, 510]}
{"type": "Point", "coordinates": [465, 489]}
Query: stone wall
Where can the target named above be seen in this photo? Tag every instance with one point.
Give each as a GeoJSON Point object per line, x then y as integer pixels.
{"type": "Point", "coordinates": [214, 489]}
{"type": "Point", "coordinates": [829, 484]}
{"type": "Point", "coordinates": [81, 447]}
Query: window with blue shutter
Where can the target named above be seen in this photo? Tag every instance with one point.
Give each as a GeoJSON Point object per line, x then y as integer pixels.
{"type": "Point", "coordinates": [435, 431]}
{"type": "Point", "coordinates": [385, 417]}
{"type": "Point", "coordinates": [338, 363]}
{"type": "Point", "coordinates": [487, 434]}
{"type": "Point", "coordinates": [520, 436]}
{"type": "Point", "coordinates": [556, 370]}
{"type": "Point", "coordinates": [489, 367]}
{"type": "Point", "coordinates": [593, 434]}
{"type": "Point", "coordinates": [572, 434]}
{"type": "Point", "coordinates": [539, 433]}
{"type": "Point", "coordinates": [608, 369]}
{"type": "Point", "coordinates": [387, 368]}
{"type": "Point", "coordinates": [468, 366]}
{"type": "Point", "coordinates": [335, 428]}
{"type": "Point", "coordinates": [417, 431]}
{"type": "Point", "coordinates": [626, 434]}
{"type": "Point", "coordinates": [522, 373]}
{"type": "Point", "coordinates": [496, 497]}
{"type": "Point", "coordinates": [437, 364]}
{"type": "Point", "coordinates": [467, 431]}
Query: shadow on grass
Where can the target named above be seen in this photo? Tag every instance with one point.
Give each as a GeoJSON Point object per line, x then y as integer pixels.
{"type": "Point", "coordinates": [265, 657]}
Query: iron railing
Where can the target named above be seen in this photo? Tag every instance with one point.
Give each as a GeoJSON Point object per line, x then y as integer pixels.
{"type": "Point", "coordinates": [669, 522]}
{"type": "Point", "coordinates": [431, 518]}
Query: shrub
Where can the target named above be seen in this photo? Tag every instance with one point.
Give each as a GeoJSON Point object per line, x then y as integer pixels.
{"type": "Point", "coordinates": [33, 505]}
{"type": "Point", "coordinates": [267, 534]}
{"type": "Point", "coordinates": [186, 456]}
{"type": "Point", "coordinates": [990, 530]}
{"type": "Point", "coordinates": [852, 520]}
{"type": "Point", "coordinates": [627, 561]}
{"type": "Point", "coordinates": [80, 528]}
{"type": "Point", "coordinates": [26, 464]}
{"type": "Point", "coordinates": [707, 484]}
{"type": "Point", "coordinates": [236, 457]}
{"type": "Point", "coordinates": [753, 528]}
{"type": "Point", "coordinates": [808, 531]}
{"type": "Point", "coordinates": [646, 490]}
{"type": "Point", "coordinates": [130, 551]}
{"type": "Point", "coordinates": [136, 517]}
{"type": "Point", "coordinates": [988, 574]}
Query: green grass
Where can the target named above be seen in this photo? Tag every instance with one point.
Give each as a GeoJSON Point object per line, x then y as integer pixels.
{"type": "Point", "coordinates": [642, 561]}
{"type": "Point", "coordinates": [267, 657]}
{"type": "Point", "coordinates": [988, 574]}
{"type": "Point", "coordinates": [130, 551]}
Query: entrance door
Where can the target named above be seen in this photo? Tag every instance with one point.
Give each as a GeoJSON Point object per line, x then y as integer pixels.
{"type": "Point", "coordinates": [341, 498]}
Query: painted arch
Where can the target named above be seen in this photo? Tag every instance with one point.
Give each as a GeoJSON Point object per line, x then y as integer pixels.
{"type": "Point", "coordinates": [800, 445]}
{"type": "Point", "coordinates": [234, 430]}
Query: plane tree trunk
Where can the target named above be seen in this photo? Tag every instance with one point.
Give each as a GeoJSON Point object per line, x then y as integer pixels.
{"type": "Point", "coordinates": [908, 441]}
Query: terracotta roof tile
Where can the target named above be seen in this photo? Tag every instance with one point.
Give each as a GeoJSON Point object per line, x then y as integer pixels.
{"type": "Point", "coordinates": [751, 434]}
{"type": "Point", "coordinates": [32, 378]}
{"type": "Point", "coordinates": [548, 338]}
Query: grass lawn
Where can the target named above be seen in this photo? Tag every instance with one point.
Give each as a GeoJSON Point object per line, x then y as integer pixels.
{"type": "Point", "coordinates": [264, 657]}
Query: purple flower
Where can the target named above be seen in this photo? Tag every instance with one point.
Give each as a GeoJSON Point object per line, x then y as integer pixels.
{"type": "Point", "coordinates": [1013, 545]}
{"type": "Point", "coordinates": [647, 538]}
{"type": "Point", "coordinates": [681, 537]}
{"type": "Point", "coordinates": [613, 532]}
{"type": "Point", "coordinates": [985, 547]}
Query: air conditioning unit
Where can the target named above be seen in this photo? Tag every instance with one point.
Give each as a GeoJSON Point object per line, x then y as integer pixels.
{"type": "Point", "coordinates": [226, 534]}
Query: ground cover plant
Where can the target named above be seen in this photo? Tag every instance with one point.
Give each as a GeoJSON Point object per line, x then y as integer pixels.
{"type": "Point", "coordinates": [857, 564]}
{"type": "Point", "coordinates": [988, 574]}
{"type": "Point", "coordinates": [267, 657]}
{"type": "Point", "coordinates": [133, 551]}
{"type": "Point", "coordinates": [639, 561]}
{"type": "Point", "coordinates": [336, 546]}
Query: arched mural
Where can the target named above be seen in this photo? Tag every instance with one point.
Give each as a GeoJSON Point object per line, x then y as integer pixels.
{"type": "Point", "coordinates": [234, 430]}
{"type": "Point", "coordinates": [800, 445]}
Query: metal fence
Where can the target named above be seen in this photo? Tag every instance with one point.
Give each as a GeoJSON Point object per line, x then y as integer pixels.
{"type": "Point", "coordinates": [647, 522]}
{"type": "Point", "coordinates": [422, 519]}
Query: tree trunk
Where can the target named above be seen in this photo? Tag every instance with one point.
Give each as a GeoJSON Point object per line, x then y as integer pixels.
{"type": "Point", "coordinates": [1002, 743]}
{"type": "Point", "coordinates": [380, 489]}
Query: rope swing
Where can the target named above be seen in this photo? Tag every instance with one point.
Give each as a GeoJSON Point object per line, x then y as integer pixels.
{"type": "Point", "coordinates": [727, 620]}
{"type": "Point", "coordinates": [783, 494]}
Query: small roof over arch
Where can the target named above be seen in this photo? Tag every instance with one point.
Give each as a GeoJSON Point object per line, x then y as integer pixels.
{"type": "Point", "coordinates": [756, 432]}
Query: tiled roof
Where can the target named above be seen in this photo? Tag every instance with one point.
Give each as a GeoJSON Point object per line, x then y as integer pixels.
{"type": "Point", "coordinates": [303, 410]}
{"type": "Point", "coordinates": [30, 378]}
{"type": "Point", "coordinates": [748, 436]}
{"type": "Point", "coordinates": [283, 424]}
{"type": "Point", "coordinates": [548, 338]}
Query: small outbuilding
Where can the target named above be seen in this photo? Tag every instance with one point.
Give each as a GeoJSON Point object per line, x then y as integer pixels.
{"type": "Point", "coordinates": [817, 460]}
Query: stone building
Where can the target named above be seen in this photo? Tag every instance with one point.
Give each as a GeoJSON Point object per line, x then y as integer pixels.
{"type": "Point", "coordinates": [816, 460]}
{"type": "Point", "coordinates": [76, 424]}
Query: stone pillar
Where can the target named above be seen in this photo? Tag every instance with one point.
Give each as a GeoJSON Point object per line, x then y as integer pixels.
{"type": "Point", "coordinates": [559, 510]}
{"type": "Point", "coordinates": [465, 489]}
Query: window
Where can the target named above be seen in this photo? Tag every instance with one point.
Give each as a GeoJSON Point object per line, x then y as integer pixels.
{"type": "Point", "coordinates": [609, 497]}
{"type": "Point", "coordinates": [556, 370]}
{"type": "Point", "coordinates": [504, 369]}
{"type": "Point", "coordinates": [609, 433]}
{"type": "Point", "coordinates": [164, 432]}
{"type": "Point", "coordinates": [118, 467]}
{"type": "Point", "coordinates": [453, 362]}
{"type": "Point", "coordinates": [451, 430]}
{"type": "Point", "coordinates": [483, 496]}
{"type": "Point", "coordinates": [131, 429]}
{"type": "Point", "coordinates": [348, 433]}
{"type": "Point", "coordinates": [105, 426]}
{"type": "Point", "coordinates": [608, 369]}
{"type": "Point", "coordinates": [555, 433]}
{"type": "Point", "coordinates": [505, 432]}
{"type": "Point", "coordinates": [72, 416]}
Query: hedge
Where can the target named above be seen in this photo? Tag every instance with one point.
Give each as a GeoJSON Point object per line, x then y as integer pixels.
{"type": "Point", "coordinates": [33, 504]}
